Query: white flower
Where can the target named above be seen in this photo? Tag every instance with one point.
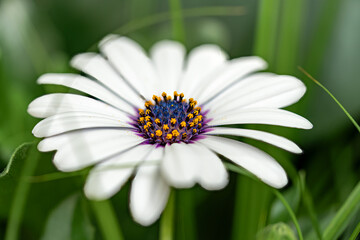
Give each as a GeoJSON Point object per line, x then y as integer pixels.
{"type": "Point", "coordinates": [136, 123]}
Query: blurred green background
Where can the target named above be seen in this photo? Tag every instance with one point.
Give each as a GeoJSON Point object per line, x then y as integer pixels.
{"type": "Point", "coordinates": [322, 36]}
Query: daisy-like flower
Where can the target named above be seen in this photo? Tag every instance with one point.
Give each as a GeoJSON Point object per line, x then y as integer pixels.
{"type": "Point", "coordinates": [164, 119]}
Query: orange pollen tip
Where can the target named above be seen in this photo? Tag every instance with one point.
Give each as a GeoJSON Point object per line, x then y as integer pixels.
{"type": "Point", "coordinates": [175, 133]}
{"type": "Point", "coordinates": [176, 94]}
{"type": "Point", "coordinates": [163, 94]}
{"type": "Point", "coordinates": [168, 98]}
{"type": "Point", "coordinates": [169, 136]}
{"type": "Point", "coordinates": [158, 133]}
{"type": "Point", "coordinates": [182, 95]}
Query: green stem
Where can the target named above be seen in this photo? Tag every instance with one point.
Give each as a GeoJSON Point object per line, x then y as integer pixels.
{"type": "Point", "coordinates": [333, 97]}
{"type": "Point", "coordinates": [289, 36]}
{"type": "Point", "coordinates": [350, 207]}
{"type": "Point", "coordinates": [267, 30]}
{"type": "Point", "coordinates": [107, 220]}
{"type": "Point", "coordinates": [355, 233]}
{"type": "Point", "coordinates": [21, 195]}
{"type": "Point", "coordinates": [290, 211]}
{"type": "Point", "coordinates": [177, 20]}
{"type": "Point", "coordinates": [167, 219]}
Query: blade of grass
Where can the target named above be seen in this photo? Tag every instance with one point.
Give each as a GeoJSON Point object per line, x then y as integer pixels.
{"type": "Point", "coordinates": [267, 30]}
{"type": "Point", "coordinates": [167, 219]}
{"type": "Point", "coordinates": [239, 170]}
{"type": "Point", "coordinates": [177, 20]}
{"type": "Point", "coordinates": [290, 211]}
{"type": "Point", "coordinates": [351, 205]}
{"type": "Point", "coordinates": [308, 202]}
{"type": "Point", "coordinates": [333, 97]}
{"type": "Point", "coordinates": [289, 36]}
{"type": "Point", "coordinates": [21, 195]}
{"type": "Point", "coordinates": [355, 233]}
{"type": "Point", "coordinates": [107, 220]}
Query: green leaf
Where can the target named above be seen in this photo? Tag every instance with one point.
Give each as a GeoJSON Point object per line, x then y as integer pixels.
{"type": "Point", "coordinates": [69, 220]}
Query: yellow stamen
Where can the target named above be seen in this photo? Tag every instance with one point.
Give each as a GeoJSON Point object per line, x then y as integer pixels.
{"type": "Point", "coordinates": [196, 121]}
{"type": "Point", "coordinates": [141, 119]}
{"type": "Point", "coordinates": [176, 94]}
{"type": "Point", "coordinates": [169, 136]}
{"type": "Point", "coordinates": [148, 124]}
{"type": "Point", "coordinates": [146, 127]}
{"type": "Point", "coordinates": [194, 131]}
{"type": "Point", "coordinates": [166, 127]}
{"type": "Point", "coordinates": [191, 124]}
{"type": "Point", "coordinates": [147, 118]}
{"type": "Point", "coordinates": [199, 117]}
{"type": "Point", "coordinates": [164, 95]}
{"type": "Point", "coordinates": [196, 112]}
{"type": "Point", "coordinates": [157, 121]}
{"type": "Point", "coordinates": [152, 135]}
{"type": "Point", "coordinates": [184, 135]}
{"type": "Point", "coordinates": [158, 133]}
{"type": "Point", "coordinates": [175, 133]}
{"type": "Point", "coordinates": [141, 112]}
{"type": "Point", "coordinates": [190, 115]}
{"type": "Point", "coordinates": [148, 111]}
{"type": "Point", "coordinates": [168, 98]}
{"type": "Point", "coordinates": [173, 121]}
{"type": "Point", "coordinates": [183, 124]}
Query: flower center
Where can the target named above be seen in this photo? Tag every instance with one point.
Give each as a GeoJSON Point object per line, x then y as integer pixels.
{"type": "Point", "coordinates": [170, 120]}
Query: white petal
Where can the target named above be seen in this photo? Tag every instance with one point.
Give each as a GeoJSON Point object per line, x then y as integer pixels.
{"type": "Point", "coordinates": [178, 166]}
{"type": "Point", "coordinates": [277, 117]}
{"type": "Point", "coordinates": [211, 173]}
{"type": "Point", "coordinates": [149, 195]}
{"type": "Point", "coordinates": [97, 67]}
{"type": "Point", "coordinates": [260, 91]}
{"type": "Point", "coordinates": [88, 86]}
{"type": "Point", "coordinates": [65, 122]}
{"type": "Point", "coordinates": [254, 160]}
{"type": "Point", "coordinates": [82, 148]}
{"type": "Point", "coordinates": [106, 179]}
{"type": "Point", "coordinates": [233, 71]}
{"type": "Point", "coordinates": [202, 63]}
{"type": "Point", "coordinates": [52, 104]}
{"type": "Point", "coordinates": [186, 164]}
{"type": "Point", "coordinates": [168, 57]}
{"type": "Point", "coordinates": [131, 61]}
{"type": "Point", "coordinates": [270, 138]}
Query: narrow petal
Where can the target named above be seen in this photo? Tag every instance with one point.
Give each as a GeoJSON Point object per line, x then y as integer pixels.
{"type": "Point", "coordinates": [82, 148]}
{"type": "Point", "coordinates": [233, 71]}
{"type": "Point", "coordinates": [276, 117]}
{"type": "Point", "coordinates": [131, 61]}
{"type": "Point", "coordinates": [87, 86]}
{"type": "Point", "coordinates": [168, 57]}
{"type": "Point", "coordinates": [178, 166]}
{"type": "Point", "coordinates": [187, 164]}
{"type": "Point", "coordinates": [97, 67]}
{"type": "Point", "coordinates": [149, 192]}
{"type": "Point", "coordinates": [252, 159]}
{"type": "Point", "coordinates": [107, 178]}
{"type": "Point", "coordinates": [202, 63]}
{"type": "Point", "coordinates": [260, 91]}
{"type": "Point", "coordinates": [69, 121]}
{"type": "Point", "coordinates": [56, 103]}
{"type": "Point", "coordinates": [270, 138]}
